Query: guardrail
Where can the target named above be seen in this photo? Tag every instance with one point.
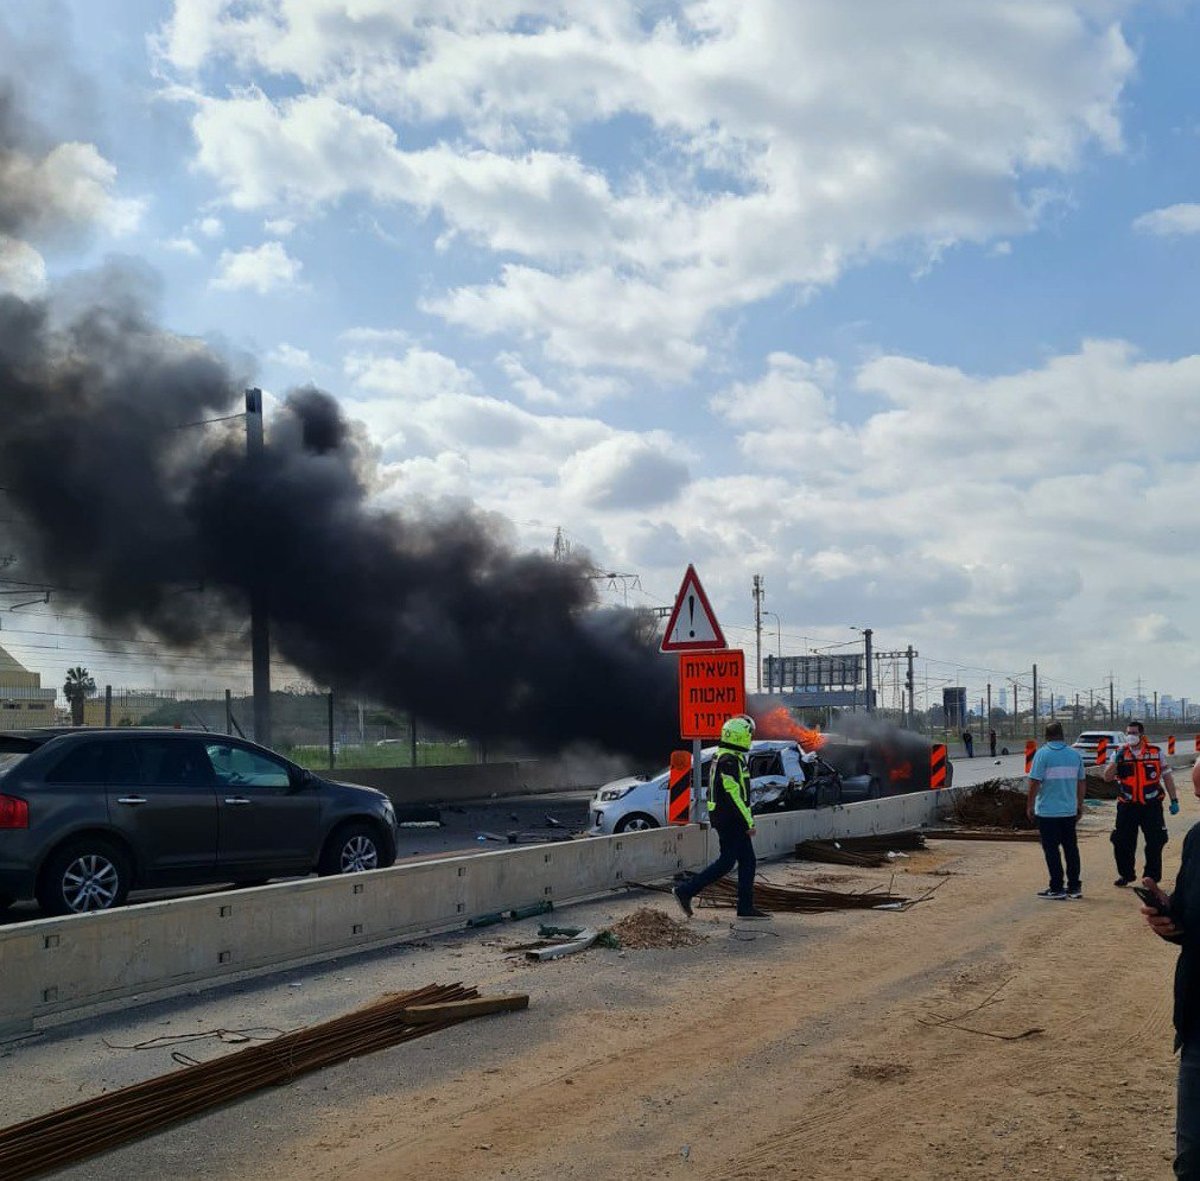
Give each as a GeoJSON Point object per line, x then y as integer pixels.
{"type": "Point", "coordinates": [58, 969]}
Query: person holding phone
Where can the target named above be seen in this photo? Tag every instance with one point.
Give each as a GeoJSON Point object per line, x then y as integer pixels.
{"type": "Point", "coordinates": [1056, 784]}
{"type": "Point", "coordinates": [1176, 918]}
{"type": "Point", "coordinates": [1141, 777]}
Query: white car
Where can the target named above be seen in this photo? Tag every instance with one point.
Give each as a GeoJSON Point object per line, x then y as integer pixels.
{"type": "Point", "coordinates": [1087, 742]}
{"type": "Point", "coordinates": [636, 803]}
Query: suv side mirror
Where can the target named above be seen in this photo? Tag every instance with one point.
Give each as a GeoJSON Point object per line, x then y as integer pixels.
{"type": "Point", "coordinates": [301, 778]}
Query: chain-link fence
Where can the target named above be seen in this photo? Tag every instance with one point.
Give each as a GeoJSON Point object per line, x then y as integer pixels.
{"type": "Point", "coordinates": [315, 729]}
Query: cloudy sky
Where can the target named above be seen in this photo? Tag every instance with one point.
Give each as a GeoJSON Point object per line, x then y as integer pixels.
{"type": "Point", "coordinates": [892, 302]}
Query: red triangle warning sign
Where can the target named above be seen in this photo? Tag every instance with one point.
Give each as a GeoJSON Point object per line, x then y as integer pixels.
{"type": "Point", "coordinates": [693, 625]}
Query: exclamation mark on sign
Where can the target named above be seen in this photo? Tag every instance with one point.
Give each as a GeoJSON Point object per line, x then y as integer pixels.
{"type": "Point", "coordinates": [692, 616]}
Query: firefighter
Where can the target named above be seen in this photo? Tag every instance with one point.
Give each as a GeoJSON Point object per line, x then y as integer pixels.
{"type": "Point", "coordinates": [729, 813]}
{"type": "Point", "coordinates": [1140, 777]}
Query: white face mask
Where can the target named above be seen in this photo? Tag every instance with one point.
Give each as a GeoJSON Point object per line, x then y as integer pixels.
{"type": "Point", "coordinates": [1133, 739]}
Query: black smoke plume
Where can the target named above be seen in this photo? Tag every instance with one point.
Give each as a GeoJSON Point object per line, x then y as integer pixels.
{"type": "Point", "coordinates": [115, 498]}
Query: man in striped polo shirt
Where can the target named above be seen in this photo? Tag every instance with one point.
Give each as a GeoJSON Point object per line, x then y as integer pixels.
{"type": "Point", "coordinates": [1056, 785]}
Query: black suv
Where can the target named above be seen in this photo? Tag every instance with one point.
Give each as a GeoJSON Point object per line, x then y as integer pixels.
{"type": "Point", "coordinates": [88, 815]}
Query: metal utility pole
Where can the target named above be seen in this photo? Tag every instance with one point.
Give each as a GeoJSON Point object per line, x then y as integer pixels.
{"type": "Point", "coordinates": [1112, 702]}
{"type": "Point", "coordinates": [1156, 707]}
{"type": "Point", "coordinates": [1035, 701]}
{"type": "Point", "coordinates": [867, 634]}
{"type": "Point", "coordinates": [989, 705]}
{"type": "Point", "coordinates": [260, 627]}
{"type": "Point", "coordinates": [908, 654]}
{"type": "Point", "coordinates": [758, 593]}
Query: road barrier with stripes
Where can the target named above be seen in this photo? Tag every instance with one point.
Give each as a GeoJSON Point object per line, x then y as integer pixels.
{"type": "Point", "coordinates": [1101, 751]}
{"type": "Point", "coordinates": [679, 788]}
{"type": "Point", "coordinates": [1030, 751]}
{"type": "Point", "coordinates": [937, 766]}
{"type": "Point", "coordinates": [1170, 744]}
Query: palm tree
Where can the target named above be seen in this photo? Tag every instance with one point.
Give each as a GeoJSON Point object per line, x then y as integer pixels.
{"type": "Point", "coordinates": [77, 688]}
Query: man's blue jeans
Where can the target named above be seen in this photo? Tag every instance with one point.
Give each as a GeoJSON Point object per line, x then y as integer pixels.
{"type": "Point", "coordinates": [1187, 1113]}
{"type": "Point", "coordinates": [736, 846]}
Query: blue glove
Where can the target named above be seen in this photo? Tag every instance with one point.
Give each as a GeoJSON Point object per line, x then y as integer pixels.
{"type": "Point", "coordinates": [1174, 809]}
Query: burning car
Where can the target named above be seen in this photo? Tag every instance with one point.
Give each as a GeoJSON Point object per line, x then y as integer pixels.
{"type": "Point", "coordinates": [780, 781]}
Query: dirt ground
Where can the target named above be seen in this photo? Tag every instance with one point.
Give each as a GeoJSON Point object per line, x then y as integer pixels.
{"type": "Point", "coordinates": [810, 1048]}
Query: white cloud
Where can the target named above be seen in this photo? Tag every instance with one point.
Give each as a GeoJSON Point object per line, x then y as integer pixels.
{"type": "Point", "coordinates": [211, 227]}
{"type": "Point", "coordinates": [419, 373]}
{"type": "Point", "coordinates": [181, 245]}
{"type": "Point", "coordinates": [261, 269]}
{"type": "Point", "coordinates": [626, 472]}
{"type": "Point", "coordinates": [1170, 221]}
{"type": "Point", "coordinates": [65, 193]}
{"type": "Point", "coordinates": [22, 269]}
{"type": "Point", "coordinates": [291, 357]}
{"type": "Point", "coordinates": [778, 143]}
{"type": "Point", "coordinates": [279, 227]}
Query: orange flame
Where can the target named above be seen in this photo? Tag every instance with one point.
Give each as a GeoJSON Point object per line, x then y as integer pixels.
{"type": "Point", "coordinates": [778, 723]}
{"type": "Point", "coordinates": [904, 771]}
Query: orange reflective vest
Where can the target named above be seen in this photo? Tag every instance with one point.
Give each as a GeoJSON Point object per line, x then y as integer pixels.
{"type": "Point", "coordinates": [1139, 774]}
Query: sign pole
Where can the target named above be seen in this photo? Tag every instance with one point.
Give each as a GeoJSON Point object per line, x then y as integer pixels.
{"type": "Point", "coordinates": [699, 803]}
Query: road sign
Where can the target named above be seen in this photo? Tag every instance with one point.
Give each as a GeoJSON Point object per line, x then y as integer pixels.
{"type": "Point", "coordinates": [693, 625]}
{"type": "Point", "coordinates": [712, 689]}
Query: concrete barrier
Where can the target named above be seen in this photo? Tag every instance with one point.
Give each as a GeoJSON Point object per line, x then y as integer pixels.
{"type": "Point", "coordinates": [54, 969]}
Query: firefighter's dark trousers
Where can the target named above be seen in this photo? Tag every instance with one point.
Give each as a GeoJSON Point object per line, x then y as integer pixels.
{"type": "Point", "coordinates": [737, 847]}
{"type": "Point", "coordinates": [1148, 818]}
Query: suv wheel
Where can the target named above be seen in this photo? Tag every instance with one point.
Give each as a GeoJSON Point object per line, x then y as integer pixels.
{"type": "Point", "coordinates": [352, 849]}
{"type": "Point", "coordinates": [86, 875]}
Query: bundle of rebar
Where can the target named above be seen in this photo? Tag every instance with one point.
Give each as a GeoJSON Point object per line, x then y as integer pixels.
{"type": "Point", "coordinates": [803, 900]}
{"type": "Point", "coordinates": [863, 852]}
{"type": "Point", "coordinates": [72, 1134]}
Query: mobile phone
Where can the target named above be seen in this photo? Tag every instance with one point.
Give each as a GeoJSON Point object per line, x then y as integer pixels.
{"type": "Point", "coordinates": [1150, 899]}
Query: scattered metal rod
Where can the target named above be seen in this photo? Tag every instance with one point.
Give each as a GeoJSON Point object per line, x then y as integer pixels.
{"type": "Point", "coordinates": [801, 900]}
{"type": "Point", "coordinates": [981, 834]}
{"type": "Point", "coordinates": [869, 852]}
{"type": "Point", "coordinates": [50, 1142]}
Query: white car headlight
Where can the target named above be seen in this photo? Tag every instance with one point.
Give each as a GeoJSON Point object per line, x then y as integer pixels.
{"type": "Point", "coordinates": [613, 793]}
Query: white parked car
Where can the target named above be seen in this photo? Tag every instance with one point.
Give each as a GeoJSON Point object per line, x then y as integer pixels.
{"type": "Point", "coordinates": [1087, 742]}
{"type": "Point", "coordinates": [778, 781]}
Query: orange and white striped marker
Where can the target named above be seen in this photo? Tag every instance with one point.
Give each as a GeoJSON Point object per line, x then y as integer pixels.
{"type": "Point", "coordinates": [679, 788]}
{"type": "Point", "coordinates": [937, 766]}
{"type": "Point", "coordinates": [1030, 751]}
{"type": "Point", "coordinates": [1101, 751]}
{"type": "Point", "coordinates": [1170, 744]}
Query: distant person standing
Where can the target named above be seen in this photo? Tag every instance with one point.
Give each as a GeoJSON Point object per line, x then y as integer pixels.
{"type": "Point", "coordinates": [992, 742]}
{"type": "Point", "coordinates": [1056, 783]}
{"type": "Point", "coordinates": [1140, 776]}
{"type": "Point", "coordinates": [969, 742]}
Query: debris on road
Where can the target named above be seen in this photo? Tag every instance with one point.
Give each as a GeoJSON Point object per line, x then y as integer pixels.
{"type": "Point", "coordinates": [981, 834]}
{"type": "Point", "coordinates": [649, 928]}
{"type": "Point", "coordinates": [582, 940]}
{"type": "Point", "coordinates": [801, 899]}
{"type": "Point", "coordinates": [998, 803]}
{"type": "Point", "coordinates": [51, 1142]}
{"type": "Point", "coordinates": [863, 852]}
